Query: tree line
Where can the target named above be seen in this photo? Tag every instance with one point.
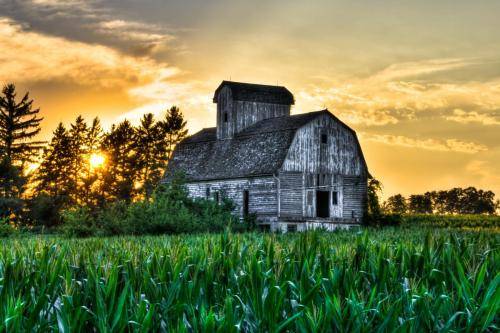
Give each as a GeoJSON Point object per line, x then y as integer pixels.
{"type": "Point", "coordinates": [81, 165]}
{"type": "Point", "coordinates": [454, 201]}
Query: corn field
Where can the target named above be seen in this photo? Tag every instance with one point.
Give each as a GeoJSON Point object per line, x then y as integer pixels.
{"type": "Point", "coordinates": [376, 280]}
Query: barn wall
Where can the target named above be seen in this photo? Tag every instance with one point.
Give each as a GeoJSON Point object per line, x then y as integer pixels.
{"type": "Point", "coordinates": [248, 113]}
{"type": "Point", "coordinates": [242, 114]}
{"type": "Point", "coordinates": [291, 194]}
{"type": "Point", "coordinates": [355, 190]}
{"type": "Point", "coordinates": [334, 166]}
{"type": "Point", "coordinates": [339, 155]}
{"type": "Point", "coordinates": [262, 194]}
{"type": "Point", "coordinates": [225, 105]}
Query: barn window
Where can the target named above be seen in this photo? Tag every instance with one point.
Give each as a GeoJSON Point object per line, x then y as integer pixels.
{"type": "Point", "coordinates": [207, 192]}
{"type": "Point", "coordinates": [217, 196]}
{"type": "Point", "coordinates": [225, 117]}
{"type": "Point", "coordinates": [324, 138]}
{"type": "Point", "coordinates": [291, 227]}
{"type": "Point", "coordinates": [335, 199]}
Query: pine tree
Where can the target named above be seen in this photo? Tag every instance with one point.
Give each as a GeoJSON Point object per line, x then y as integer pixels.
{"type": "Point", "coordinates": [12, 185]}
{"type": "Point", "coordinates": [91, 178]}
{"type": "Point", "coordinates": [120, 178]}
{"type": "Point", "coordinates": [53, 176]}
{"type": "Point", "coordinates": [151, 147]}
{"type": "Point", "coordinates": [173, 129]}
{"type": "Point", "coordinates": [19, 123]}
{"type": "Point", "coordinates": [78, 134]}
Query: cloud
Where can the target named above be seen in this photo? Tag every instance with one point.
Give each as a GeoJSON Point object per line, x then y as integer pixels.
{"type": "Point", "coordinates": [401, 92]}
{"type": "Point", "coordinates": [352, 108]}
{"type": "Point", "coordinates": [29, 57]}
{"type": "Point", "coordinates": [419, 68]}
{"type": "Point", "coordinates": [463, 117]}
{"type": "Point", "coordinates": [143, 35]}
{"type": "Point", "coordinates": [91, 21]}
{"type": "Point", "coordinates": [447, 145]}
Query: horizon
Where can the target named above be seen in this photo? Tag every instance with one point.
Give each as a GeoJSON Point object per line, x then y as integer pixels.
{"type": "Point", "coordinates": [419, 83]}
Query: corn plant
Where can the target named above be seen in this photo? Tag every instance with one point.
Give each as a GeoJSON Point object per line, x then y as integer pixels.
{"type": "Point", "coordinates": [405, 280]}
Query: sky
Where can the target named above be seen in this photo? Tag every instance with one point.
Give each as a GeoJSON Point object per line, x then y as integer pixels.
{"type": "Point", "coordinates": [419, 81]}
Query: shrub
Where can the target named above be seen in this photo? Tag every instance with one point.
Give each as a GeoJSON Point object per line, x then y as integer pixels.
{"type": "Point", "coordinates": [43, 210]}
{"type": "Point", "coordinates": [169, 211]}
{"type": "Point", "coordinates": [6, 230]}
{"type": "Point", "coordinates": [79, 222]}
{"type": "Point", "coordinates": [383, 220]}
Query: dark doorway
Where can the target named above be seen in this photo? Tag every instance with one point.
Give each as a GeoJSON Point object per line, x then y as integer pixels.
{"type": "Point", "coordinates": [245, 203]}
{"type": "Point", "coordinates": [322, 204]}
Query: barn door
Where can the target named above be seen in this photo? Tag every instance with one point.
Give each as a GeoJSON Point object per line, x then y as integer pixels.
{"type": "Point", "coordinates": [310, 211]}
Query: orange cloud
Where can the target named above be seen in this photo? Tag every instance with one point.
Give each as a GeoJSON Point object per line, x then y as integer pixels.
{"type": "Point", "coordinates": [464, 117]}
{"type": "Point", "coordinates": [448, 145]}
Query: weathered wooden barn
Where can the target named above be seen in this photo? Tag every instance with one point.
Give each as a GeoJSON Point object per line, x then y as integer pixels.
{"type": "Point", "coordinates": [293, 171]}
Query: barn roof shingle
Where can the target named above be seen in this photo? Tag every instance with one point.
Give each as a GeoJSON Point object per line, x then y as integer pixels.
{"type": "Point", "coordinates": [258, 150]}
{"type": "Point", "coordinates": [251, 92]}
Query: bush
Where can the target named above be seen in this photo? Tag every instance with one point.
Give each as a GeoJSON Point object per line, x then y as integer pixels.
{"type": "Point", "coordinates": [383, 220]}
{"type": "Point", "coordinates": [79, 222]}
{"type": "Point", "coordinates": [43, 210]}
{"type": "Point", "coordinates": [169, 211]}
{"type": "Point", "coordinates": [6, 230]}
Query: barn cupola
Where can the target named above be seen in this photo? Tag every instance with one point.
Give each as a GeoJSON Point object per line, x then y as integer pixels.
{"type": "Point", "coordinates": [240, 105]}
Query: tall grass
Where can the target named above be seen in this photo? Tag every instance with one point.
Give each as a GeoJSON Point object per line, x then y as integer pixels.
{"type": "Point", "coordinates": [312, 282]}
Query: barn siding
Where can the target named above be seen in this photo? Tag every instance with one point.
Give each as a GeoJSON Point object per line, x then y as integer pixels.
{"type": "Point", "coordinates": [334, 166]}
{"type": "Point", "coordinates": [355, 189]}
{"type": "Point", "coordinates": [248, 113]}
{"type": "Point", "coordinates": [340, 156]}
{"type": "Point", "coordinates": [262, 194]}
{"type": "Point", "coordinates": [225, 105]}
{"type": "Point", "coordinates": [291, 194]}
{"type": "Point", "coordinates": [242, 114]}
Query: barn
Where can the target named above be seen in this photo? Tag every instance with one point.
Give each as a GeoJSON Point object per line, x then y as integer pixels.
{"type": "Point", "coordinates": [294, 172]}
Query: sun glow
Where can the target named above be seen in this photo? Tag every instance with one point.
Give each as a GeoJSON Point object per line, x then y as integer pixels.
{"type": "Point", "coordinates": [96, 160]}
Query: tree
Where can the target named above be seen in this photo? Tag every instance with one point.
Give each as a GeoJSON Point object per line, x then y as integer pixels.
{"type": "Point", "coordinates": [151, 149]}
{"type": "Point", "coordinates": [12, 185]}
{"type": "Point", "coordinates": [53, 176]}
{"type": "Point", "coordinates": [78, 137]}
{"type": "Point", "coordinates": [119, 180]}
{"type": "Point", "coordinates": [91, 178]}
{"type": "Point", "coordinates": [440, 201]}
{"type": "Point", "coordinates": [420, 203]}
{"type": "Point", "coordinates": [156, 142]}
{"type": "Point", "coordinates": [396, 204]}
{"type": "Point", "coordinates": [173, 129]}
{"type": "Point", "coordinates": [19, 123]}
{"type": "Point", "coordinates": [374, 189]}
{"type": "Point", "coordinates": [474, 201]}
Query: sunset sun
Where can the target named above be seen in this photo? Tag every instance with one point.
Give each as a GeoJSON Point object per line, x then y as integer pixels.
{"type": "Point", "coordinates": [96, 160]}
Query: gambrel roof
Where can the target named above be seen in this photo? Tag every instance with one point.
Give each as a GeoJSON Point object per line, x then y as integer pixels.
{"type": "Point", "coordinates": [251, 92]}
{"type": "Point", "coordinates": [258, 150]}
